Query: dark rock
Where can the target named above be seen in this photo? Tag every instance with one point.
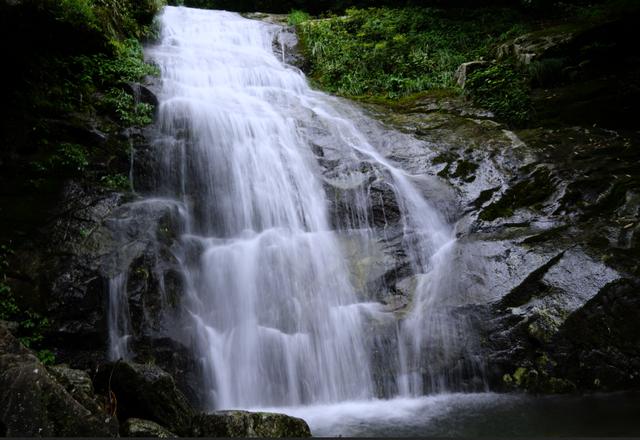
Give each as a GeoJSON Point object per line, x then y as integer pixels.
{"type": "Point", "coordinates": [598, 346]}
{"type": "Point", "coordinates": [144, 428]}
{"type": "Point", "coordinates": [465, 69]}
{"type": "Point", "coordinates": [142, 93]}
{"type": "Point", "coordinates": [33, 403]}
{"type": "Point", "coordinates": [530, 47]}
{"type": "Point", "coordinates": [249, 424]}
{"type": "Point", "coordinates": [79, 385]}
{"type": "Point", "coordinates": [175, 359]}
{"type": "Point", "coordinates": [145, 392]}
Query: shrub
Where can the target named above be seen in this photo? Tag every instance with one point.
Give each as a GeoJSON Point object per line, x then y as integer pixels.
{"type": "Point", "coordinates": [31, 326]}
{"type": "Point", "coordinates": [123, 105]}
{"type": "Point", "coordinates": [502, 89]}
{"type": "Point", "coordinates": [398, 52]}
{"type": "Point", "coordinates": [66, 160]}
{"type": "Point", "coordinates": [296, 17]}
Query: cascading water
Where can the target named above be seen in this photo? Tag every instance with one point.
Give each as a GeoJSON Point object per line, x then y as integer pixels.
{"type": "Point", "coordinates": [275, 317]}
{"type": "Point", "coordinates": [270, 304]}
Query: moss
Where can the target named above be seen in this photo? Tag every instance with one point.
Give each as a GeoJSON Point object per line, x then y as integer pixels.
{"type": "Point", "coordinates": [548, 235]}
{"type": "Point", "coordinates": [484, 197]}
{"type": "Point", "coordinates": [526, 193]}
{"type": "Point", "coordinates": [543, 326]}
{"type": "Point", "coordinates": [443, 158]}
{"type": "Point", "coordinates": [444, 173]}
{"type": "Point", "coordinates": [504, 90]}
{"type": "Point", "coordinates": [390, 53]}
{"type": "Point", "coordinates": [465, 170]}
{"type": "Point", "coordinates": [410, 101]}
{"type": "Point", "coordinates": [519, 376]}
{"type": "Point", "coordinates": [537, 381]}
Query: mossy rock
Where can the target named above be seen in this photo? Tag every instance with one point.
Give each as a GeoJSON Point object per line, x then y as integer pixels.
{"type": "Point", "coordinates": [145, 391]}
{"type": "Point", "coordinates": [144, 428]}
{"type": "Point", "coordinates": [33, 403]}
{"type": "Point", "coordinates": [530, 192]}
{"type": "Point", "coordinates": [249, 424]}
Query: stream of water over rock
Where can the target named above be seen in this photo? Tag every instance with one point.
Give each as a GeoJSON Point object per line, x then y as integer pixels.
{"type": "Point", "coordinates": [272, 309]}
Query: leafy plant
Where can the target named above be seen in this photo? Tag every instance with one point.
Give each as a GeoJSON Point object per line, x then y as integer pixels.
{"type": "Point", "coordinates": [30, 325]}
{"type": "Point", "coordinates": [67, 160]}
{"type": "Point", "coordinates": [116, 182]}
{"type": "Point", "coordinates": [296, 17]}
{"type": "Point", "coordinates": [128, 111]}
{"type": "Point", "coordinates": [502, 89]}
{"type": "Point", "coordinates": [398, 52]}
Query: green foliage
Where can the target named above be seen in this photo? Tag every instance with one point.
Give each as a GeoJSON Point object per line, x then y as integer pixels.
{"type": "Point", "coordinates": [67, 160]}
{"type": "Point", "coordinates": [116, 182]}
{"type": "Point", "coordinates": [46, 357]}
{"type": "Point", "coordinates": [85, 83]}
{"type": "Point", "coordinates": [398, 52]}
{"type": "Point", "coordinates": [108, 19]}
{"type": "Point", "coordinates": [502, 89]}
{"type": "Point", "coordinates": [127, 110]}
{"type": "Point", "coordinates": [8, 306]}
{"type": "Point", "coordinates": [77, 13]}
{"type": "Point", "coordinates": [126, 64]}
{"type": "Point", "coordinates": [30, 325]}
{"type": "Point", "coordinates": [296, 17]}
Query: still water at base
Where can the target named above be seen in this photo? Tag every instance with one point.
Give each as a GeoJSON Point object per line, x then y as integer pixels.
{"type": "Point", "coordinates": [476, 415]}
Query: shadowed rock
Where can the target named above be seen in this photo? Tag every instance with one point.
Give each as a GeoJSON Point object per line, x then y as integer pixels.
{"type": "Point", "coordinates": [247, 424]}
{"type": "Point", "coordinates": [34, 404]}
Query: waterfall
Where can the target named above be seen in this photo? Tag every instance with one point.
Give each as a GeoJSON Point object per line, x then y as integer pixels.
{"type": "Point", "coordinates": [270, 305]}
{"type": "Point", "coordinates": [275, 317]}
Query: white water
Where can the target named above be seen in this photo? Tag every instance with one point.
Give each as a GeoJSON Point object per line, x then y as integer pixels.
{"type": "Point", "coordinates": [270, 306]}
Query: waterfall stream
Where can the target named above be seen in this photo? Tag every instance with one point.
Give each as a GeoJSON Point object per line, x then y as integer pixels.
{"type": "Point", "coordinates": [271, 305]}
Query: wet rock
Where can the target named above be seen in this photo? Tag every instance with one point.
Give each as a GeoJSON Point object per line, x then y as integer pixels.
{"type": "Point", "coordinates": [142, 93]}
{"type": "Point", "coordinates": [177, 360]}
{"type": "Point", "coordinates": [530, 47]}
{"type": "Point", "coordinates": [102, 240]}
{"type": "Point", "coordinates": [144, 428]}
{"type": "Point", "coordinates": [598, 347]}
{"type": "Point", "coordinates": [147, 392]}
{"type": "Point", "coordinates": [79, 385]}
{"type": "Point", "coordinates": [33, 403]}
{"type": "Point", "coordinates": [370, 261]}
{"type": "Point", "coordinates": [248, 424]}
{"type": "Point", "coordinates": [531, 317]}
{"type": "Point", "coordinates": [465, 69]}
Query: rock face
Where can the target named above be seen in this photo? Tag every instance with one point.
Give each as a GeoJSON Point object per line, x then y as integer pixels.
{"type": "Point", "coordinates": [246, 424]}
{"type": "Point", "coordinates": [145, 428]}
{"type": "Point", "coordinates": [548, 217]}
{"type": "Point", "coordinates": [62, 402]}
{"type": "Point", "coordinates": [34, 404]}
{"type": "Point", "coordinates": [146, 392]}
{"type": "Point", "coordinates": [465, 69]}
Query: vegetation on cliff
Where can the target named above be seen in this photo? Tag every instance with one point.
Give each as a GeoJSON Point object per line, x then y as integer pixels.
{"type": "Point", "coordinates": [384, 54]}
{"type": "Point", "coordinates": [69, 96]}
{"type": "Point", "coordinates": [397, 52]}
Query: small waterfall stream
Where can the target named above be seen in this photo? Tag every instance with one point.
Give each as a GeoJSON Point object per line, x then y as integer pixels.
{"type": "Point", "coordinates": [271, 306]}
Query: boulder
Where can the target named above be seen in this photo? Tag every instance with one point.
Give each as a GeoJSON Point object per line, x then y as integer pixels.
{"type": "Point", "coordinates": [144, 428]}
{"type": "Point", "coordinates": [465, 69]}
{"type": "Point", "coordinates": [147, 392]}
{"type": "Point", "coordinates": [249, 424]}
{"type": "Point", "coordinates": [79, 385]}
{"type": "Point", "coordinates": [33, 403]}
{"type": "Point", "coordinates": [141, 93]}
{"type": "Point", "coordinates": [605, 335]}
{"type": "Point", "coordinates": [534, 46]}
